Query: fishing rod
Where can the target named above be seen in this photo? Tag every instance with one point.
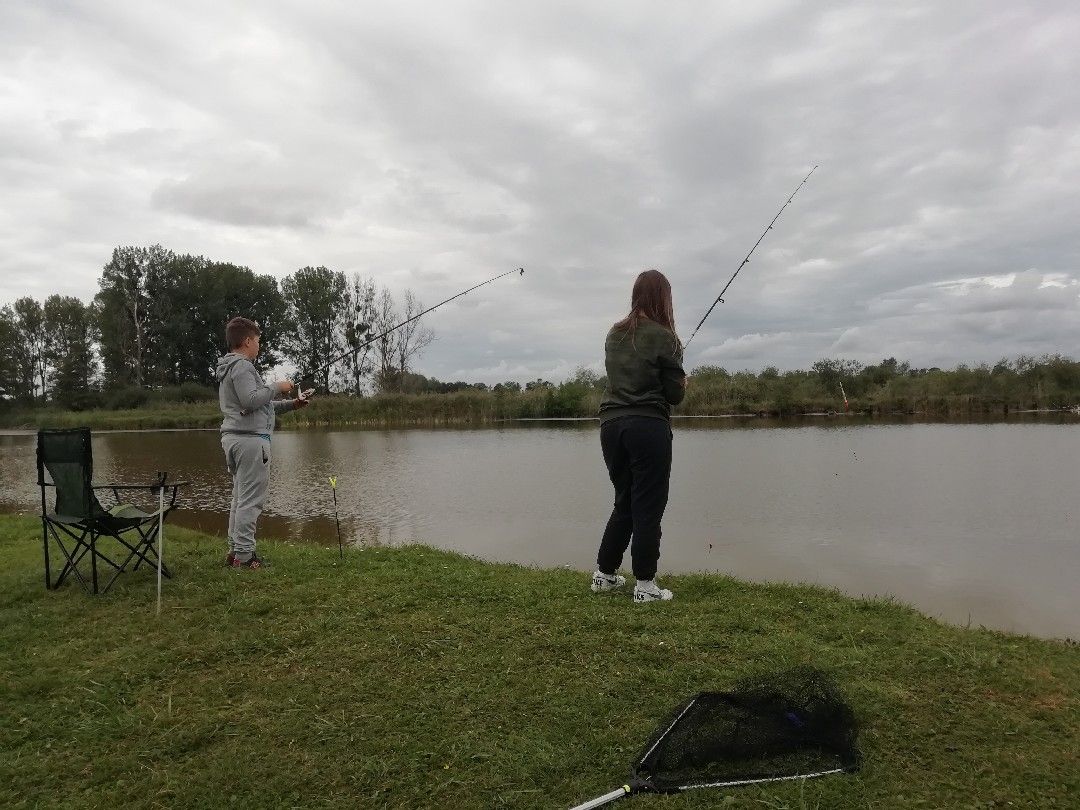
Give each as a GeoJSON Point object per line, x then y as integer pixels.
{"type": "Point", "coordinates": [745, 261]}
{"type": "Point", "coordinates": [314, 372]}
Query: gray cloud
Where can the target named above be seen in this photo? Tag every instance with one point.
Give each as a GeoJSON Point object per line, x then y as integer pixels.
{"type": "Point", "coordinates": [250, 186]}
{"type": "Point", "coordinates": [434, 145]}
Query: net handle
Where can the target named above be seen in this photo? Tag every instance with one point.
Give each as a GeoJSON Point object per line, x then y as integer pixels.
{"type": "Point", "coordinates": [762, 780]}
{"type": "Point", "coordinates": [607, 798]}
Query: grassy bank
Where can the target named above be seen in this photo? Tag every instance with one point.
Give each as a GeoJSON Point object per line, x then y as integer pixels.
{"type": "Point", "coordinates": [458, 408]}
{"type": "Point", "coordinates": [415, 678]}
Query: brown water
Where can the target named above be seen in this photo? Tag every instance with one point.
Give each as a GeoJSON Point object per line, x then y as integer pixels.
{"type": "Point", "coordinates": [971, 523]}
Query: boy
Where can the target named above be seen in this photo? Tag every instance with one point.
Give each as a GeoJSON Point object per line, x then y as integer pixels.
{"type": "Point", "coordinates": [249, 410]}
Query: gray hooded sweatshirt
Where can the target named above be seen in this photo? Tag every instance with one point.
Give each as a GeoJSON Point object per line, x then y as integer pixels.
{"type": "Point", "coordinates": [246, 401]}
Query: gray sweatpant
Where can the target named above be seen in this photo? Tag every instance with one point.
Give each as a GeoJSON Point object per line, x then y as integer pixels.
{"type": "Point", "coordinates": [248, 459]}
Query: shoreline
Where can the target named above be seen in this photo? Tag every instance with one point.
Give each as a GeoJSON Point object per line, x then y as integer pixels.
{"type": "Point", "coordinates": [134, 421]}
{"type": "Point", "coordinates": [320, 532]}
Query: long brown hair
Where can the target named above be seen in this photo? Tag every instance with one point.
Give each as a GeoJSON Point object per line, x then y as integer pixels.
{"type": "Point", "coordinates": [650, 299]}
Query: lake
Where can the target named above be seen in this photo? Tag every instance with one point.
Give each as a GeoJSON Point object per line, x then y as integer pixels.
{"type": "Point", "coordinates": [968, 522]}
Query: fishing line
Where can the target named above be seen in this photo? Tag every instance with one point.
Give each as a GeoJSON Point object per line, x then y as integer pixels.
{"type": "Point", "coordinates": [313, 372]}
{"type": "Point", "coordinates": [746, 260]}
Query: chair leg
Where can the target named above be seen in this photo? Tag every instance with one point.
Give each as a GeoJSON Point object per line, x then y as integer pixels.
{"type": "Point", "coordinates": [135, 550]}
{"type": "Point", "coordinates": [72, 559]}
{"type": "Point", "coordinates": [45, 544]}
{"type": "Point", "coordinates": [145, 550]}
{"type": "Point", "coordinates": [72, 566]}
{"type": "Point", "coordinates": [119, 569]}
{"type": "Point", "coordinates": [122, 567]}
{"type": "Point", "coordinates": [142, 542]}
{"type": "Point", "coordinates": [87, 543]}
{"type": "Point", "coordinates": [141, 550]}
{"type": "Point", "coordinates": [93, 560]}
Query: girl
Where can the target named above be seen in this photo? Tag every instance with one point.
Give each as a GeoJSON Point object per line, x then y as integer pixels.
{"type": "Point", "coordinates": [643, 356]}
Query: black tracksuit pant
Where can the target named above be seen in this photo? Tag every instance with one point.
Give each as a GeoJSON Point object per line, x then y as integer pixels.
{"type": "Point", "coordinates": [637, 451]}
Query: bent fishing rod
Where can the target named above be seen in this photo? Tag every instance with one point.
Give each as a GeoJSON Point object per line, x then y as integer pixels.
{"type": "Point", "coordinates": [313, 373]}
{"type": "Point", "coordinates": [746, 261]}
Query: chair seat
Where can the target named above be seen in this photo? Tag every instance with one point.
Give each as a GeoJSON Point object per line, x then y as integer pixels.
{"type": "Point", "coordinates": [67, 520]}
{"type": "Point", "coordinates": [125, 512]}
{"type": "Point", "coordinates": [128, 511]}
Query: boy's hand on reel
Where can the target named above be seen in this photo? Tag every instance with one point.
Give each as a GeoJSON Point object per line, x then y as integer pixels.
{"type": "Point", "coordinates": [303, 398]}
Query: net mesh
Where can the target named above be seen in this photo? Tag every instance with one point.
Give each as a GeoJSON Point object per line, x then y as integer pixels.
{"type": "Point", "coordinates": [784, 725]}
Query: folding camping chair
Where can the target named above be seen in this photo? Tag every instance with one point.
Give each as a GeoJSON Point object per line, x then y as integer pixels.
{"type": "Point", "coordinates": [81, 520]}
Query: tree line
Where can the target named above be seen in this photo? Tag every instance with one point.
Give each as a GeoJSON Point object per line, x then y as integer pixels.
{"type": "Point", "coordinates": [154, 330]}
{"type": "Point", "coordinates": [891, 387]}
{"type": "Point", "coordinates": [158, 320]}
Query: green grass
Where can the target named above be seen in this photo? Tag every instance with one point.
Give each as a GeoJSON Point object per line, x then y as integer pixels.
{"type": "Point", "coordinates": [410, 677]}
{"type": "Point", "coordinates": [173, 415]}
{"type": "Point", "coordinates": [383, 410]}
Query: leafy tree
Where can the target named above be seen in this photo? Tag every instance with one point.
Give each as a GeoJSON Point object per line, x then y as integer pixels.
{"type": "Point", "coordinates": [413, 337]}
{"type": "Point", "coordinates": [386, 317]}
{"type": "Point", "coordinates": [69, 348]}
{"type": "Point", "coordinates": [702, 373]}
{"type": "Point", "coordinates": [30, 360]}
{"type": "Point", "coordinates": [888, 369]}
{"type": "Point", "coordinates": [360, 314]}
{"type": "Point", "coordinates": [162, 316]}
{"type": "Point", "coordinates": [174, 306]}
{"type": "Point", "coordinates": [395, 352]}
{"type": "Point", "coordinates": [127, 286]}
{"type": "Point", "coordinates": [316, 312]}
{"type": "Point", "coordinates": [219, 291]}
{"type": "Point", "coordinates": [587, 378]}
{"type": "Point", "coordinates": [831, 373]}
{"type": "Point", "coordinates": [569, 397]}
{"type": "Point", "coordinates": [9, 355]}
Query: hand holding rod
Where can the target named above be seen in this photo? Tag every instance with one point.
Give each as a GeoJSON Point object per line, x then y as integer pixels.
{"type": "Point", "coordinates": [720, 298]}
{"type": "Point", "coordinates": [313, 372]}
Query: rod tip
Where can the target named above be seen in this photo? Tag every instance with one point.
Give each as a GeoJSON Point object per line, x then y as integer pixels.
{"type": "Point", "coordinates": [521, 271]}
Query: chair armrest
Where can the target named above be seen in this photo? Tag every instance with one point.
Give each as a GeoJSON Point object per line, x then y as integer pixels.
{"type": "Point", "coordinates": [158, 487]}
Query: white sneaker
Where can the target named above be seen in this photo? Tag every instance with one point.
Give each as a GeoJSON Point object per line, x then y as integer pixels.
{"type": "Point", "coordinates": [646, 590]}
{"type": "Point", "coordinates": [603, 582]}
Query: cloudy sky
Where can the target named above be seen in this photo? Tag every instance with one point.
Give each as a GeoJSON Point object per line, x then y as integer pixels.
{"type": "Point", "coordinates": [433, 145]}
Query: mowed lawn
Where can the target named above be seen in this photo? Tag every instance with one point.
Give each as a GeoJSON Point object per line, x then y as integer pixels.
{"type": "Point", "coordinates": [409, 677]}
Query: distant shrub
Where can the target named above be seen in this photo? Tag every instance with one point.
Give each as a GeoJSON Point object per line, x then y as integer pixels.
{"type": "Point", "coordinates": [194, 392]}
{"type": "Point", "coordinates": [130, 396]}
{"type": "Point", "coordinates": [84, 401]}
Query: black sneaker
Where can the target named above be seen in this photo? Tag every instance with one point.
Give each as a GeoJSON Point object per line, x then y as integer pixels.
{"type": "Point", "coordinates": [229, 559]}
{"type": "Point", "coordinates": [255, 562]}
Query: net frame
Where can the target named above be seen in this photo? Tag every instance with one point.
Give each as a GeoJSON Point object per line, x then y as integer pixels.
{"type": "Point", "coordinates": [799, 714]}
{"type": "Point", "coordinates": [803, 700]}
